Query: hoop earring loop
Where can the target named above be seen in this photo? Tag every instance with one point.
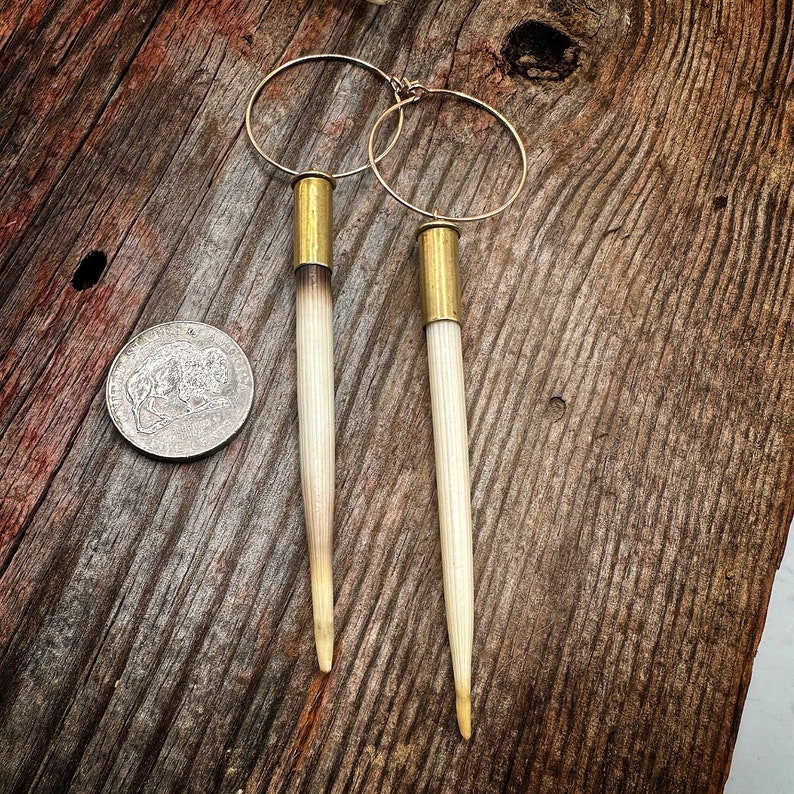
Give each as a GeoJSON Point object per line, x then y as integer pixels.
{"type": "Point", "coordinates": [417, 93]}
{"type": "Point", "coordinates": [349, 59]}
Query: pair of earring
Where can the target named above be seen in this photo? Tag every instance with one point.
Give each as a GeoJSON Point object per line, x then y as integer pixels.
{"type": "Point", "coordinates": [440, 297]}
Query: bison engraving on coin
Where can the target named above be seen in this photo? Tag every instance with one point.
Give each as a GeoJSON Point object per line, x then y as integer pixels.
{"type": "Point", "coordinates": [180, 390]}
{"type": "Point", "coordinates": [179, 369]}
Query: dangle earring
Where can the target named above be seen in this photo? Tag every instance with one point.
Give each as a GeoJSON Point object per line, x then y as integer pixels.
{"type": "Point", "coordinates": [313, 262]}
{"type": "Point", "coordinates": [440, 297]}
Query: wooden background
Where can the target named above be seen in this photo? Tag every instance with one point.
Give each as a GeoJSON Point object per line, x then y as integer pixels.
{"type": "Point", "coordinates": [627, 339]}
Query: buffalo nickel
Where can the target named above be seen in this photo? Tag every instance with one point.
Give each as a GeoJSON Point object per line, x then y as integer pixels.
{"type": "Point", "coordinates": [180, 390]}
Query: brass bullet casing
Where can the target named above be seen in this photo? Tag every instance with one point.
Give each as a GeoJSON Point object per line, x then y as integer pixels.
{"type": "Point", "coordinates": [313, 219]}
{"type": "Point", "coordinates": [439, 271]}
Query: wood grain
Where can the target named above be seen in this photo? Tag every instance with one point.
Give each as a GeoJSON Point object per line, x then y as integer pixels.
{"type": "Point", "coordinates": [627, 349]}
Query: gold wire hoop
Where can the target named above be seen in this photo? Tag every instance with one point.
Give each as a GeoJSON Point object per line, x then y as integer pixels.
{"type": "Point", "coordinates": [307, 59]}
{"type": "Point", "coordinates": [417, 91]}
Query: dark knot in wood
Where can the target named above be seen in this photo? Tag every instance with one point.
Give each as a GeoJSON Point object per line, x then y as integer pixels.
{"type": "Point", "coordinates": [538, 51]}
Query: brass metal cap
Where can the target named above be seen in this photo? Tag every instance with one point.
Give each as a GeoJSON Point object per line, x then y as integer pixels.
{"type": "Point", "coordinates": [439, 276]}
{"type": "Point", "coordinates": [313, 219]}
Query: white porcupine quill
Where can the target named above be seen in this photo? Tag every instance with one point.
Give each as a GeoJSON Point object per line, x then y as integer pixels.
{"type": "Point", "coordinates": [450, 437]}
{"type": "Point", "coordinates": [314, 322]}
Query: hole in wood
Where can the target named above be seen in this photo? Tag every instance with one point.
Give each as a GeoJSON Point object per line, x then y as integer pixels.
{"type": "Point", "coordinates": [557, 408]}
{"type": "Point", "coordinates": [88, 272]}
{"type": "Point", "coordinates": [538, 51]}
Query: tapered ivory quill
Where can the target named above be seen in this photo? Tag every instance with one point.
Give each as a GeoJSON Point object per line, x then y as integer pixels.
{"type": "Point", "coordinates": [313, 260]}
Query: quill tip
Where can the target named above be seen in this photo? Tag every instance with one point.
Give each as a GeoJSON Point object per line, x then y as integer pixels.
{"type": "Point", "coordinates": [324, 641]}
{"type": "Point", "coordinates": [463, 707]}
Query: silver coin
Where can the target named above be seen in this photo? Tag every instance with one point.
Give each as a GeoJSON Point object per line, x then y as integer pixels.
{"type": "Point", "coordinates": [180, 390]}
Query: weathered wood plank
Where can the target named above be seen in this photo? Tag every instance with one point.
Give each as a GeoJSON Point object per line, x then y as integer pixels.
{"type": "Point", "coordinates": [627, 346]}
